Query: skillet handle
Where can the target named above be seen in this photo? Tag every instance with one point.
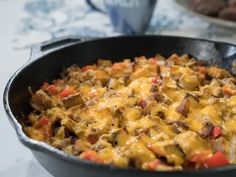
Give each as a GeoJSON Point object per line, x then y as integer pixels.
{"type": "Point", "coordinates": [44, 48]}
{"type": "Point", "coordinates": [94, 7]}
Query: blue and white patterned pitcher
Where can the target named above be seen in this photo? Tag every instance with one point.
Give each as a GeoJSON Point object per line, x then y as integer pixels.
{"type": "Point", "coordinates": [128, 16]}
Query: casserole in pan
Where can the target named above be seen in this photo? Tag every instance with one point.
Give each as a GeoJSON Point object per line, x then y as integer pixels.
{"type": "Point", "coordinates": [83, 53]}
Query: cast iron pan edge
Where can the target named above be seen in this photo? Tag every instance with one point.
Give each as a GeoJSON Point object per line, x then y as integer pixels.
{"type": "Point", "coordinates": [60, 155]}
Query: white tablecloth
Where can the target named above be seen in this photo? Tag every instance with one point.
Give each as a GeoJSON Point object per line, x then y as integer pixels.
{"type": "Point", "coordinates": [26, 22]}
{"type": "Point", "coordinates": [44, 20]}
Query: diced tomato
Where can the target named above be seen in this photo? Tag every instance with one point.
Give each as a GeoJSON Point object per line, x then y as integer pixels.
{"type": "Point", "coordinates": [202, 72]}
{"type": "Point", "coordinates": [143, 103]}
{"type": "Point", "coordinates": [118, 66]}
{"type": "Point", "coordinates": [227, 90]}
{"type": "Point", "coordinates": [216, 132]}
{"type": "Point", "coordinates": [45, 125]}
{"type": "Point", "coordinates": [52, 89]}
{"type": "Point", "coordinates": [200, 158]}
{"type": "Point", "coordinates": [92, 139]}
{"type": "Point", "coordinates": [202, 69]}
{"type": "Point", "coordinates": [91, 156]}
{"type": "Point", "coordinates": [154, 81]}
{"type": "Point", "coordinates": [153, 164]}
{"type": "Point", "coordinates": [44, 121]}
{"type": "Point", "coordinates": [217, 160]}
{"type": "Point", "coordinates": [67, 92]}
{"type": "Point", "coordinates": [153, 61]}
{"type": "Point", "coordinates": [88, 67]}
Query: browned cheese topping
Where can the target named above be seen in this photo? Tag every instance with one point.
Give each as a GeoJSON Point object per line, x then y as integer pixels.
{"type": "Point", "coordinates": [151, 113]}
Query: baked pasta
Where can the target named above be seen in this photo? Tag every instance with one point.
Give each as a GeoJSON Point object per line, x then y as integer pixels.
{"type": "Point", "coordinates": [162, 114]}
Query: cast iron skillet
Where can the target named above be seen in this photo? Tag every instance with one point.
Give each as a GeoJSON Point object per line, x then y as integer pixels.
{"type": "Point", "coordinates": [49, 60]}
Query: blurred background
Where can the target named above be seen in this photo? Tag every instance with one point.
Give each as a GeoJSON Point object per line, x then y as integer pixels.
{"type": "Point", "coordinates": [25, 23]}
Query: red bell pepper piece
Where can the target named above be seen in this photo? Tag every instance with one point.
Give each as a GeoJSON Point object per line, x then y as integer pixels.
{"type": "Point", "coordinates": [217, 160]}
{"type": "Point", "coordinates": [216, 132]}
{"type": "Point", "coordinates": [88, 67]}
{"type": "Point", "coordinates": [67, 92]}
{"type": "Point", "coordinates": [200, 158]}
{"type": "Point", "coordinates": [202, 69]}
{"type": "Point", "coordinates": [45, 124]}
{"type": "Point", "coordinates": [227, 90]}
{"type": "Point", "coordinates": [52, 89]}
{"type": "Point", "coordinates": [153, 61]}
{"type": "Point", "coordinates": [91, 156]}
{"type": "Point", "coordinates": [154, 81]}
{"type": "Point", "coordinates": [44, 121]}
{"type": "Point", "coordinates": [153, 165]}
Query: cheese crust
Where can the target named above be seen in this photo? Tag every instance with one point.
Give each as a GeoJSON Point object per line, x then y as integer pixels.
{"type": "Point", "coordinates": [150, 113]}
